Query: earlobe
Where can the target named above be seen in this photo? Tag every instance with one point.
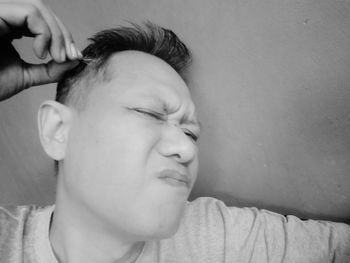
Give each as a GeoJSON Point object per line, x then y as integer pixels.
{"type": "Point", "coordinates": [54, 120]}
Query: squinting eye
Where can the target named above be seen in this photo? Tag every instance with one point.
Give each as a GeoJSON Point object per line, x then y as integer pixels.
{"type": "Point", "coordinates": [191, 135]}
{"type": "Point", "coordinates": [149, 113]}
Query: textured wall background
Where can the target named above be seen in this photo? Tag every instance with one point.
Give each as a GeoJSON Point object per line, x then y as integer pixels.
{"type": "Point", "coordinates": [271, 80]}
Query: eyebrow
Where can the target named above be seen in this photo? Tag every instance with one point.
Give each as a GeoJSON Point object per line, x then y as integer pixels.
{"type": "Point", "coordinates": [192, 122]}
{"type": "Point", "coordinates": [185, 119]}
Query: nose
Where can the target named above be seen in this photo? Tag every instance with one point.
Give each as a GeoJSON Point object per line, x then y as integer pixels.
{"type": "Point", "coordinates": [177, 145]}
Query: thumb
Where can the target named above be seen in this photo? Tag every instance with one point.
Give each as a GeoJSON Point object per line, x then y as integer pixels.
{"type": "Point", "coordinates": [47, 73]}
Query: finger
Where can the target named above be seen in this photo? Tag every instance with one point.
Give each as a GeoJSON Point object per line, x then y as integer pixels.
{"type": "Point", "coordinates": [68, 40]}
{"type": "Point", "coordinates": [47, 73]}
{"type": "Point", "coordinates": [27, 18]}
{"type": "Point", "coordinates": [40, 46]}
{"type": "Point", "coordinates": [70, 45]}
{"type": "Point", "coordinates": [15, 14]}
{"type": "Point", "coordinates": [41, 41]}
{"type": "Point", "coordinates": [57, 44]}
{"type": "Point", "coordinates": [4, 28]}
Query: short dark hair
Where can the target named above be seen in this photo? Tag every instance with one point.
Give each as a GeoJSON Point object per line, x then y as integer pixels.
{"type": "Point", "coordinates": [149, 38]}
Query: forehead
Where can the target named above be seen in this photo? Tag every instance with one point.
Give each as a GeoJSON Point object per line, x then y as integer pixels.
{"type": "Point", "coordinates": [137, 75]}
{"type": "Point", "coordinates": [137, 66]}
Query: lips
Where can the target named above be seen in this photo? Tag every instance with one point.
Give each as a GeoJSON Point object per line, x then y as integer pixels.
{"type": "Point", "coordinates": [175, 177]}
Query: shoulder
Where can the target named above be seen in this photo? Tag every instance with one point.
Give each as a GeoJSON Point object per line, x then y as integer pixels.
{"type": "Point", "coordinates": [12, 217]}
{"type": "Point", "coordinates": [215, 209]}
{"type": "Point", "coordinates": [15, 216]}
{"type": "Point", "coordinates": [251, 229]}
{"type": "Point", "coordinates": [15, 228]}
{"type": "Point", "coordinates": [13, 221]}
{"type": "Point", "coordinates": [210, 230]}
{"type": "Point", "coordinates": [213, 218]}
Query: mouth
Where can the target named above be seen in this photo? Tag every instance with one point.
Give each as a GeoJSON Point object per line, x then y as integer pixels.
{"type": "Point", "coordinates": [175, 178]}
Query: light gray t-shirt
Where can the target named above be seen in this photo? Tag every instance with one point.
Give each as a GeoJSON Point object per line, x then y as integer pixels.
{"type": "Point", "coordinates": [209, 232]}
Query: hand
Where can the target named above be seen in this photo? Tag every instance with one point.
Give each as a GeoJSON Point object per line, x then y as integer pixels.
{"type": "Point", "coordinates": [34, 19]}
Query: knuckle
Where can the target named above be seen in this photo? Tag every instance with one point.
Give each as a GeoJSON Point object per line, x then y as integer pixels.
{"type": "Point", "coordinates": [28, 80]}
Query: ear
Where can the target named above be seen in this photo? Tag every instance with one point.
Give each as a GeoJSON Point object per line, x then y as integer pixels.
{"type": "Point", "coordinates": [54, 121]}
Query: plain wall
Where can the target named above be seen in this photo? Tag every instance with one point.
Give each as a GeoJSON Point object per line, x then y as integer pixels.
{"type": "Point", "coordinates": [271, 80]}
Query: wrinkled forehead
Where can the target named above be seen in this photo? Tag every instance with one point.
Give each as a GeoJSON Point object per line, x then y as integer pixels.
{"type": "Point", "coordinates": [138, 70]}
{"type": "Point", "coordinates": [139, 64]}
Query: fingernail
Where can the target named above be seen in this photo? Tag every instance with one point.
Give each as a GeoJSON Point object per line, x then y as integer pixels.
{"type": "Point", "coordinates": [44, 54]}
{"type": "Point", "coordinates": [72, 49]}
{"type": "Point", "coordinates": [63, 56]}
{"type": "Point", "coordinates": [80, 55]}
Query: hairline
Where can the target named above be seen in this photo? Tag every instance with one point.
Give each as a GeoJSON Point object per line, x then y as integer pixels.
{"type": "Point", "coordinates": [100, 73]}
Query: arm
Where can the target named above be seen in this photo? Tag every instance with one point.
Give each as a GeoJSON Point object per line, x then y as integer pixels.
{"type": "Point", "coordinates": [34, 19]}
{"type": "Point", "coordinates": [231, 234]}
{"type": "Point", "coordinates": [290, 239]}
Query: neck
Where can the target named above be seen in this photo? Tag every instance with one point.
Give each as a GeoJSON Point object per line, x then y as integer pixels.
{"type": "Point", "coordinates": [75, 237]}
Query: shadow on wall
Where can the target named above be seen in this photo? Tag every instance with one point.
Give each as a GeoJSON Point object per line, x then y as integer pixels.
{"type": "Point", "coordinates": [311, 158]}
{"type": "Point", "coordinates": [323, 131]}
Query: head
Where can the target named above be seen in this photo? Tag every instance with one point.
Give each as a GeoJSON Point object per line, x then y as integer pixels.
{"type": "Point", "coordinates": [123, 131]}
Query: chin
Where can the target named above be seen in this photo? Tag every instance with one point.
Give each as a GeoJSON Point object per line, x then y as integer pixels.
{"type": "Point", "coordinates": [169, 227]}
{"type": "Point", "coordinates": [162, 229]}
{"type": "Point", "coordinates": [160, 223]}
{"type": "Point", "coordinates": [166, 231]}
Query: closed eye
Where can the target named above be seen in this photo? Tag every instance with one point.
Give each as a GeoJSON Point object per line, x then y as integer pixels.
{"type": "Point", "coordinates": [191, 135]}
{"type": "Point", "coordinates": [150, 113]}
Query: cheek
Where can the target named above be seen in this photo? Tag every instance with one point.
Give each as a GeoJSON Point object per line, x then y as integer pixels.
{"type": "Point", "coordinates": [110, 157]}
{"type": "Point", "coordinates": [193, 166]}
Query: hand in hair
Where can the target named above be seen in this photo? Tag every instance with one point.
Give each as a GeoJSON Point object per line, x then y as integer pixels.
{"type": "Point", "coordinates": [34, 19]}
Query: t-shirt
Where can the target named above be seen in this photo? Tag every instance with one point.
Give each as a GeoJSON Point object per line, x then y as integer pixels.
{"type": "Point", "coordinates": [209, 231]}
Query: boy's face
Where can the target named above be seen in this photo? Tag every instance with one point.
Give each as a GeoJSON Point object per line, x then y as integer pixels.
{"type": "Point", "coordinates": [132, 148]}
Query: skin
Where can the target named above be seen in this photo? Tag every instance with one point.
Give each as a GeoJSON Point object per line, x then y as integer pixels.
{"type": "Point", "coordinates": [109, 197]}
{"type": "Point", "coordinates": [114, 150]}
{"type": "Point", "coordinates": [34, 19]}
